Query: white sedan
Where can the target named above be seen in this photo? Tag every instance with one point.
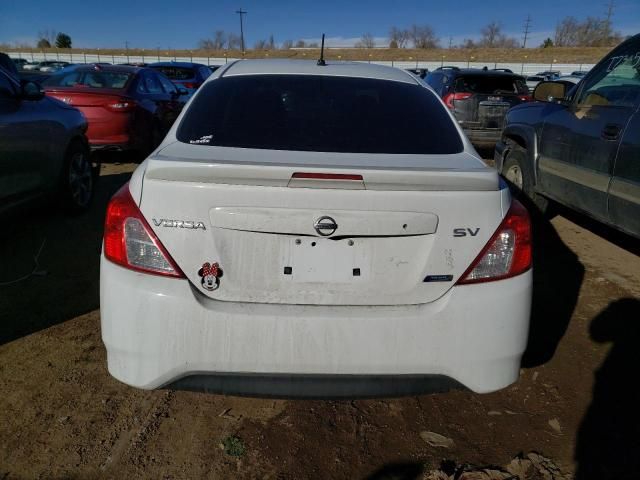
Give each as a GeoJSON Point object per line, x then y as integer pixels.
{"type": "Point", "coordinates": [322, 230]}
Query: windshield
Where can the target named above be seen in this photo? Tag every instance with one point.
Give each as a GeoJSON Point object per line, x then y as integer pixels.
{"type": "Point", "coordinates": [177, 73]}
{"type": "Point", "coordinates": [488, 84]}
{"type": "Point", "coordinates": [89, 79]}
{"type": "Point", "coordinates": [316, 113]}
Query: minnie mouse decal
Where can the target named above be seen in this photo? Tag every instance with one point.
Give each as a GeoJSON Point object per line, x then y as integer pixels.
{"type": "Point", "coordinates": [210, 274]}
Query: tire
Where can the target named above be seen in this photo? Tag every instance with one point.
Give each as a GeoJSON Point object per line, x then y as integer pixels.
{"type": "Point", "coordinates": [518, 172]}
{"type": "Point", "coordinates": [78, 178]}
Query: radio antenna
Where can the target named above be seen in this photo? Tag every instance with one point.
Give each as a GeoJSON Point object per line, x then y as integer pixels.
{"type": "Point", "coordinates": [321, 62]}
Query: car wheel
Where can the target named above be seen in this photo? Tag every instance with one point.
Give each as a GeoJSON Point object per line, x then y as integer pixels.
{"type": "Point", "coordinates": [519, 173]}
{"type": "Point", "coordinates": [78, 177]}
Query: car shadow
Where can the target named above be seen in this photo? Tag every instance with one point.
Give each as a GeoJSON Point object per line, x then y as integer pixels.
{"type": "Point", "coordinates": [49, 263]}
{"type": "Point", "coordinates": [557, 277]}
{"type": "Point", "coordinates": [607, 445]}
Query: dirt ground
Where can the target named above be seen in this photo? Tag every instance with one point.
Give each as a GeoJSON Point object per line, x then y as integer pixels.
{"type": "Point", "coordinates": [63, 416]}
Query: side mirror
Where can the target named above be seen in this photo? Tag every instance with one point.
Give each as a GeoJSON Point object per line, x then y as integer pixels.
{"type": "Point", "coordinates": [550, 92]}
{"type": "Point", "coordinates": [31, 90]}
{"type": "Point", "coordinates": [182, 91]}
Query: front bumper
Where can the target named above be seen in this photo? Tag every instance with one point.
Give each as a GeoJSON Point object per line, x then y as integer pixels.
{"type": "Point", "coordinates": [159, 330]}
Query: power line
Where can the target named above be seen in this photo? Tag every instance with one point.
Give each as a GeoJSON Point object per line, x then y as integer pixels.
{"type": "Point", "coordinates": [241, 13]}
{"type": "Point", "coordinates": [527, 29]}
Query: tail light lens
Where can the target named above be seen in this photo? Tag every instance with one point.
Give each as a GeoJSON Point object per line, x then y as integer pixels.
{"type": "Point", "coordinates": [130, 242]}
{"type": "Point", "coordinates": [191, 85]}
{"type": "Point", "coordinates": [121, 105]}
{"type": "Point", "coordinates": [525, 98]}
{"type": "Point", "coordinates": [508, 252]}
{"type": "Point", "coordinates": [450, 97]}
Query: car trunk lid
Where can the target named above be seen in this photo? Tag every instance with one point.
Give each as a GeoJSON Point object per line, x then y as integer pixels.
{"type": "Point", "coordinates": [389, 241]}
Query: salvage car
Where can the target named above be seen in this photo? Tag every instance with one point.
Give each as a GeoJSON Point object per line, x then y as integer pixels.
{"type": "Point", "coordinates": [43, 147]}
{"type": "Point", "coordinates": [580, 145]}
{"type": "Point", "coordinates": [184, 74]}
{"type": "Point", "coordinates": [330, 231]}
{"type": "Point", "coordinates": [479, 99]}
{"type": "Point", "coordinates": [128, 108]}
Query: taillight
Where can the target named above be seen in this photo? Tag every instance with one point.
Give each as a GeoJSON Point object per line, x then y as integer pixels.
{"type": "Point", "coordinates": [450, 97]}
{"type": "Point", "coordinates": [120, 105]}
{"type": "Point", "coordinates": [191, 85]}
{"type": "Point", "coordinates": [130, 242]}
{"type": "Point", "coordinates": [525, 98]}
{"type": "Point", "coordinates": [508, 252]}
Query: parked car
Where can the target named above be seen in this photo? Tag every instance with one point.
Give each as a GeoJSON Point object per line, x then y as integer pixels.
{"type": "Point", "coordinates": [550, 74]}
{"type": "Point", "coordinates": [580, 146]}
{"type": "Point", "coordinates": [43, 148]}
{"type": "Point", "coordinates": [479, 99]}
{"type": "Point", "coordinates": [533, 81]}
{"type": "Point", "coordinates": [419, 72]}
{"type": "Point", "coordinates": [579, 73]}
{"type": "Point", "coordinates": [53, 67]}
{"type": "Point", "coordinates": [127, 107]}
{"type": "Point", "coordinates": [329, 231]}
{"type": "Point", "coordinates": [186, 75]}
{"type": "Point", "coordinates": [47, 65]}
{"type": "Point", "coordinates": [19, 62]}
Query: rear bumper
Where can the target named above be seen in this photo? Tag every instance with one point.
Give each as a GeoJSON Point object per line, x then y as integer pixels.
{"type": "Point", "coordinates": [158, 331]}
{"type": "Point", "coordinates": [487, 137]}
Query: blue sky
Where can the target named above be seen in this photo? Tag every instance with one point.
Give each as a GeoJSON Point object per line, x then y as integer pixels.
{"type": "Point", "coordinates": [180, 24]}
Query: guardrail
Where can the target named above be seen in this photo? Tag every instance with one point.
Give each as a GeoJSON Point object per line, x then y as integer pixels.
{"type": "Point", "coordinates": [521, 68]}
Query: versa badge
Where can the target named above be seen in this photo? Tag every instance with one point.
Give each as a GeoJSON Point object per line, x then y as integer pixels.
{"type": "Point", "coordinates": [210, 274]}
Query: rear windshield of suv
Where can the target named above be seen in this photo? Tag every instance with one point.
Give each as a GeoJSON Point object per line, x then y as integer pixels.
{"type": "Point", "coordinates": [177, 73]}
{"type": "Point", "coordinates": [489, 84]}
{"type": "Point", "coordinates": [319, 113]}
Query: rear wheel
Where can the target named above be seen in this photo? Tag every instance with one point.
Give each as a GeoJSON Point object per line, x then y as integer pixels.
{"type": "Point", "coordinates": [77, 177]}
{"type": "Point", "coordinates": [519, 173]}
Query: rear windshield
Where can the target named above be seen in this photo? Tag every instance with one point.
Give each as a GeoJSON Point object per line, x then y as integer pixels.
{"type": "Point", "coordinates": [177, 73]}
{"type": "Point", "coordinates": [319, 113]}
{"type": "Point", "coordinates": [487, 84]}
{"type": "Point", "coordinates": [89, 79]}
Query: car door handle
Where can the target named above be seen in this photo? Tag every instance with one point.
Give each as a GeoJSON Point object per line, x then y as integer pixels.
{"type": "Point", "coordinates": [611, 131]}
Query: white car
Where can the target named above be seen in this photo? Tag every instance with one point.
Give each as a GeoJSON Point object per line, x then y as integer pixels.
{"type": "Point", "coordinates": [315, 230]}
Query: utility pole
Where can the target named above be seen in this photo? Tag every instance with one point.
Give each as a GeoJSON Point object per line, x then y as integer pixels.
{"type": "Point", "coordinates": [450, 42]}
{"type": "Point", "coordinates": [241, 13]}
{"type": "Point", "coordinates": [610, 7]}
{"type": "Point", "coordinates": [527, 29]}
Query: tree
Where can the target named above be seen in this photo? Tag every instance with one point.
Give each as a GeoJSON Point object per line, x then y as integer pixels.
{"type": "Point", "coordinates": [271, 44]}
{"type": "Point", "coordinates": [423, 36]}
{"type": "Point", "coordinates": [63, 40]}
{"type": "Point", "coordinates": [399, 36]}
{"type": "Point", "coordinates": [43, 43]}
{"type": "Point", "coordinates": [492, 37]}
{"type": "Point", "coordinates": [547, 43]}
{"type": "Point", "coordinates": [393, 44]}
{"type": "Point", "coordinates": [287, 44]}
{"type": "Point", "coordinates": [261, 45]}
{"type": "Point", "coordinates": [233, 41]}
{"type": "Point", "coordinates": [366, 41]}
{"type": "Point", "coordinates": [300, 44]}
{"type": "Point", "coordinates": [592, 32]}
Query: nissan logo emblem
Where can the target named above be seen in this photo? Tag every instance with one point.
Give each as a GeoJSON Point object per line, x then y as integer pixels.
{"type": "Point", "coordinates": [325, 226]}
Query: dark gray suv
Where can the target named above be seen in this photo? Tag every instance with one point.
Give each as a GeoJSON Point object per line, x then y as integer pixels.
{"type": "Point", "coordinates": [580, 145]}
{"type": "Point", "coordinates": [43, 148]}
{"type": "Point", "coordinates": [479, 99]}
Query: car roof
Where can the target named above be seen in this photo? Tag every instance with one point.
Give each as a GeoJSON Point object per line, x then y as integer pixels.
{"type": "Point", "coordinates": [177, 64]}
{"type": "Point", "coordinates": [456, 71]}
{"type": "Point", "coordinates": [105, 68]}
{"type": "Point", "coordinates": [310, 67]}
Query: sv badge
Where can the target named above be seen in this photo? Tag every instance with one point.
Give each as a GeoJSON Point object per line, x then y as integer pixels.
{"type": "Point", "coordinates": [463, 232]}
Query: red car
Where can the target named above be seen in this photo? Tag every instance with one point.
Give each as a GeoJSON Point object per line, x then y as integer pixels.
{"type": "Point", "coordinates": [127, 108]}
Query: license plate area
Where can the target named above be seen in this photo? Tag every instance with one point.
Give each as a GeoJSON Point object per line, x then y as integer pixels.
{"type": "Point", "coordinates": [320, 260]}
